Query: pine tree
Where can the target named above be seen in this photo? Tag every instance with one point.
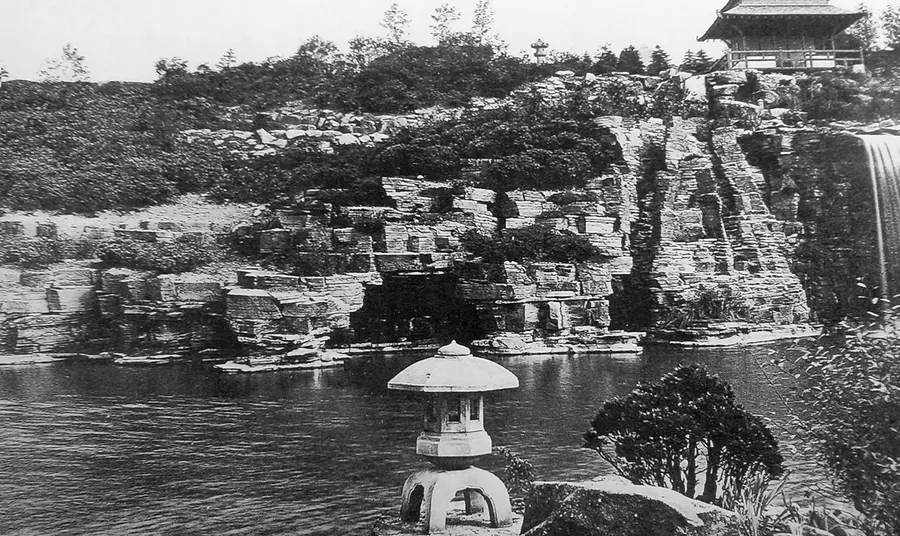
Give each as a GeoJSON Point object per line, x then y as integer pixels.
{"type": "Point", "coordinates": [228, 60]}
{"type": "Point", "coordinates": [630, 61]}
{"type": "Point", "coordinates": [864, 32]}
{"type": "Point", "coordinates": [689, 63]}
{"type": "Point", "coordinates": [606, 61]}
{"type": "Point", "coordinates": [659, 61]}
{"type": "Point", "coordinates": [703, 63]}
{"type": "Point", "coordinates": [890, 23]}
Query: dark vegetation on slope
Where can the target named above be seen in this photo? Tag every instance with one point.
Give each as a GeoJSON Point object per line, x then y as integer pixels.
{"type": "Point", "coordinates": [83, 148]}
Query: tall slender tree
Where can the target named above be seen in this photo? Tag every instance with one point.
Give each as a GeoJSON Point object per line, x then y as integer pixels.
{"type": "Point", "coordinates": [689, 61]}
{"type": "Point", "coordinates": [227, 61]}
{"type": "Point", "coordinates": [68, 67]}
{"type": "Point", "coordinates": [864, 32]}
{"type": "Point", "coordinates": [659, 61]}
{"type": "Point", "coordinates": [483, 24]}
{"type": "Point", "coordinates": [890, 24]}
{"type": "Point", "coordinates": [396, 22]}
{"type": "Point", "coordinates": [443, 19]}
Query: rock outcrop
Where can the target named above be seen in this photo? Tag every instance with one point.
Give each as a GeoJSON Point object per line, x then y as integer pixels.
{"type": "Point", "coordinates": [614, 506]}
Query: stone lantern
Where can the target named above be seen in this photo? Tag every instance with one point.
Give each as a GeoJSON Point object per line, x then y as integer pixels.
{"type": "Point", "coordinates": [454, 383]}
{"type": "Point", "coordinates": [540, 50]}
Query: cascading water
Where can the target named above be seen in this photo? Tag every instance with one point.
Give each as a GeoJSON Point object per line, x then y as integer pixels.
{"type": "Point", "coordinates": [884, 168]}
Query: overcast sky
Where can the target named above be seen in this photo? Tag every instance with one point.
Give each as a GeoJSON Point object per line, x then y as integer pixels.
{"type": "Point", "coordinates": [123, 39]}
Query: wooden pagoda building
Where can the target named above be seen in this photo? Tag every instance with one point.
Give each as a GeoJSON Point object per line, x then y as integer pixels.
{"type": "Point", "coordinates": [783, 34]}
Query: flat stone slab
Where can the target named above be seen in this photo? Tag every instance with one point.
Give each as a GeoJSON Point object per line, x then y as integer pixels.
{"type": "Point", "coordinates": [458, 524]}
{"type": "Point", "coordinates": [27, 359]}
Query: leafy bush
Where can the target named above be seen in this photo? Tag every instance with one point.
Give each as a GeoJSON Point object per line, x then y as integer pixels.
{"type": "Point", "coordinates": [851, 401]}
{"type": "Point", "coordinates": [657, 435]}
{"type": "Point", "coordinates": [518, 474]}
{"type": "Point", "coordinates": [548, 149]}
{"type": "Point", "coordinates": [42, 252]}
{"type": "Point", "coordinates": [569, 197]}
{"type": "Point", "coordinates": [183, 254]}
{"type": "Point", "coordinates": [535, 243]}
{"type": "Point", "coordinates": [723, 303]}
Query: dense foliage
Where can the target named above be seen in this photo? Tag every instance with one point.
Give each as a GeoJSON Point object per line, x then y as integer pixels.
{"type": "Point", "coordinates": [183, 254]}
{"type": "Point", "coordinates": [535, 243]}
{"type": "Point", "coordinates": [80, 147]}
{"type": "Point", "coordinates": [41, 252]}
{"type": "Point", "coordinates": [851, 402]}
{"type": "Point", "coordinates": [719, 303]}
{"type": "Point", "coordinates": [667, 433]}
{"type": "Point", "coordinates": [537, 148]}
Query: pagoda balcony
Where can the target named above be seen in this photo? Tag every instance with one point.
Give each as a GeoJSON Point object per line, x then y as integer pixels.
{"type": "Point", "coordinates": [781, 59]}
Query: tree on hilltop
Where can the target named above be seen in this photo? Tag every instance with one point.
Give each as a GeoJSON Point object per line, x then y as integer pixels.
{"type": "Point", "coordinates": [443, 19]}
{"type": "Point", "coordinates": [69, 67]}
{"type": "Point", "coordinates": [890, 24]}
{"type": "Point", "coordinates": [483, 25]}
{"type": "Point", "coordinates": [864, 32]}
{"type": "Point", "coordinates": [703, 62]}
{"type": "Point", "coordinates": [630, 61]}
{"type": "Point", "coordinates": [606, 61]}
{"type": "Point", "coordinates": [228, 60]}
{"type": "Point", "coordinates": [659, 61]}
{"type": "Point", "coordinates": [362, 50]}
{"type": "Point", "coordinates": [687, 63]}
{"type": "Point", "coordinates": [698, 62]}
{"type": "Point", "coordinates": [396, 22]}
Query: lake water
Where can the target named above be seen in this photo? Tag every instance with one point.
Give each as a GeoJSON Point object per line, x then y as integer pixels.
{"type": "Point", "coordinates": [90, 448]}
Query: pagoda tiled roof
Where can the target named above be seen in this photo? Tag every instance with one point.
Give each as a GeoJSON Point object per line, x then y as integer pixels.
{"type": "Point", "coordinates": [761, 11]}
{"type": "Point", "coordinates": [784, 7]}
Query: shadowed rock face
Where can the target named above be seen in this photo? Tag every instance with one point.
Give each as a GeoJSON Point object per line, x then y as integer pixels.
{"type": "Point", "coordinates": [614, 506]}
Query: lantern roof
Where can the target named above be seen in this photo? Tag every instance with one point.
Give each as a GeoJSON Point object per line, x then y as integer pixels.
{"type": "Point", "coordinates": [454, 370]}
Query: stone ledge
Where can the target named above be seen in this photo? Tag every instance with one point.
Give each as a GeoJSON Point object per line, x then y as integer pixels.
{"type": "Point", "coordinates": [458, 524]}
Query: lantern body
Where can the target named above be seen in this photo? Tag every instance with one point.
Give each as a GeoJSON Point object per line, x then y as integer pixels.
{"type": "Point", "coordinates": [454, 435]}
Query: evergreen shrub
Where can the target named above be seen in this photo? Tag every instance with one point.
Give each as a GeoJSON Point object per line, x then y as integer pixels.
{"type": "Point", "coordinates": [533, 243]}
{"type": "Point", "coordinates": [681, 431]}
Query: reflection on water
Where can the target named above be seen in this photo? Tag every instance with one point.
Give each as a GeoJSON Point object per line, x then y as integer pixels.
{"type": "Point", "coordinates": [96, 449]}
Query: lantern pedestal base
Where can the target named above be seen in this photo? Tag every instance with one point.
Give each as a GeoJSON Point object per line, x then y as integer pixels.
{"type": "Point", "coordinates": [431, 491]}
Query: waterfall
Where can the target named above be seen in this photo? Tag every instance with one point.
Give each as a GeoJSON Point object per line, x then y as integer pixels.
{"type": "Point", "coordinates": [884, 169]}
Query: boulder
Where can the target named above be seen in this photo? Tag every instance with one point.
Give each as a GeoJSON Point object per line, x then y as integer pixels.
{"type": "Point", "coordinates": [615, 506]}
{"type": "Point", "coordinates": [695, 89]}
{"type": "Point", "coordinates": [740, 114]}
{"type": "Point", "coordinates": [738, 77]}
{"type": "Point", "coordinates": [347, 139]}
{"type": "Point", "coordinates": [265, 137]}
{"type": "Point", "coordinates": [725, 90]}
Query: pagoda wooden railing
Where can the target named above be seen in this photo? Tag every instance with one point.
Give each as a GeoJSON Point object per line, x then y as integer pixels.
{"type": "Point", "coordinates": [793, 59]}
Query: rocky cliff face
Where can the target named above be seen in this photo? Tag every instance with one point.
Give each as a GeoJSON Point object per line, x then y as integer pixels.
{"type": "Point", "coordinates": [690, 233]}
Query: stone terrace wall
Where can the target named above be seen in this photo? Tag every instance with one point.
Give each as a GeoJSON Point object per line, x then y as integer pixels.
{"type": "Point", "coordinates": [49, 311]}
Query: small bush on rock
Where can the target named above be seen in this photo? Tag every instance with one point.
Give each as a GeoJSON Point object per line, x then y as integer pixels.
{"type": "Point", "coordinates": [44, 251]}
{"type": "Point", "coordinates": [183, 254]}
{"type": "Point", "coordinates": [662, 433]}
{"type": "Point", "coordinates": [534, 243]}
